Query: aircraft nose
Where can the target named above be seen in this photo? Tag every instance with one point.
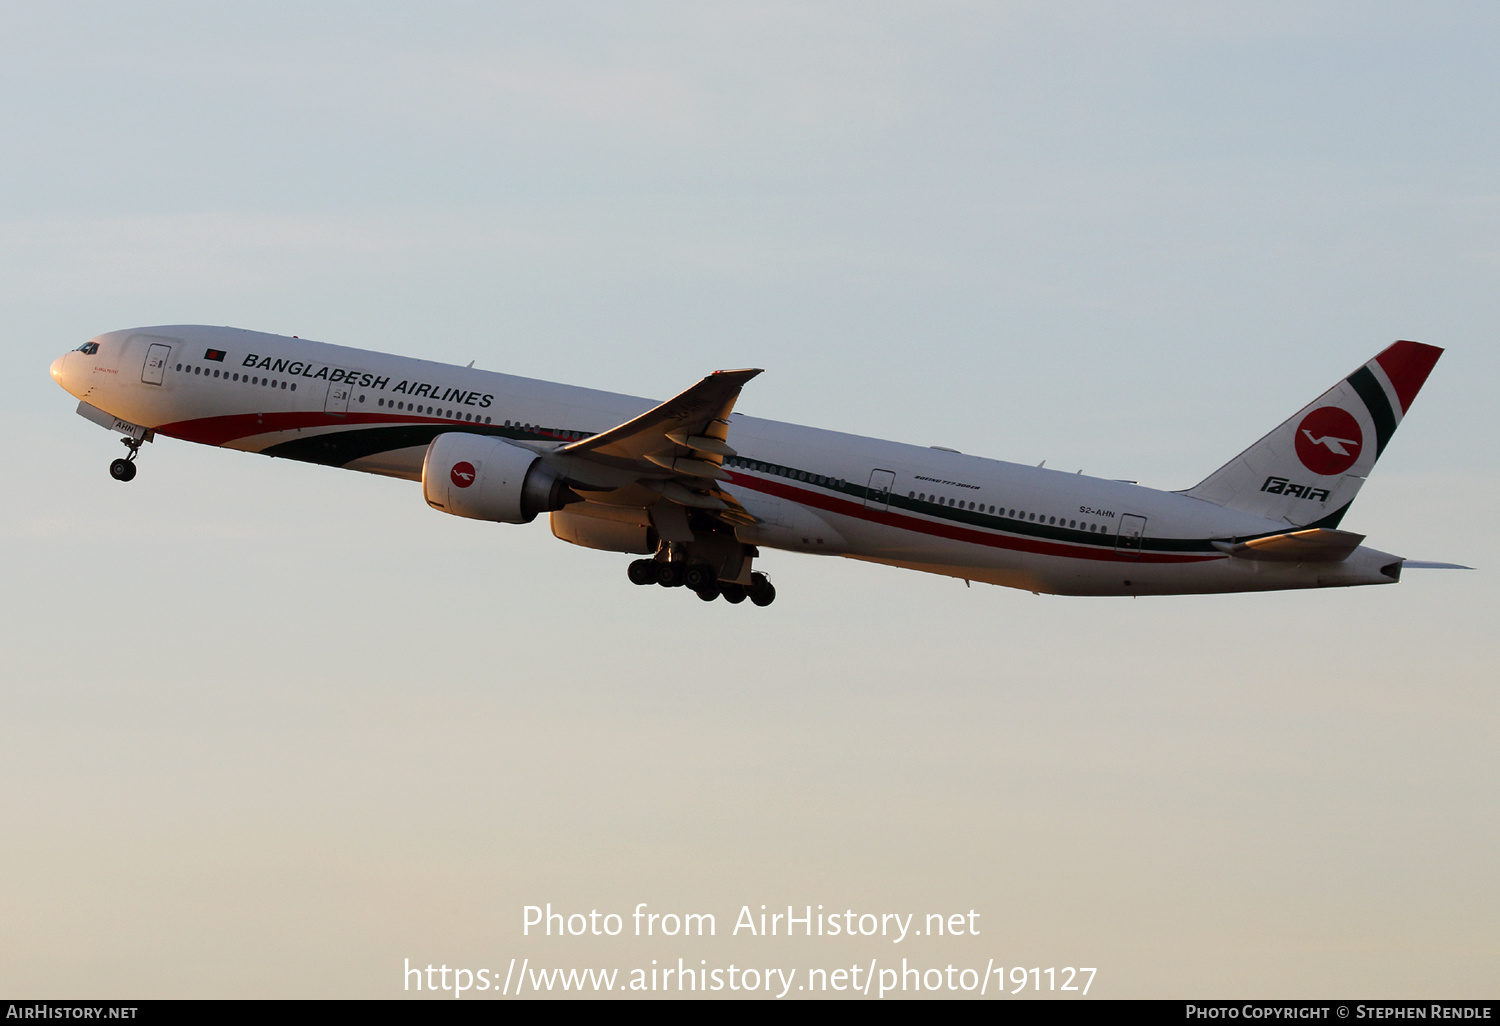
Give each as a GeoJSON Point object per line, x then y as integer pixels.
{"type": "Point", "coordinates": [65, 372]}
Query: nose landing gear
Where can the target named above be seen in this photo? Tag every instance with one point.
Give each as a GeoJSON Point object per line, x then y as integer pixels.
{"type": "Point", "coordinates": [124, 469]}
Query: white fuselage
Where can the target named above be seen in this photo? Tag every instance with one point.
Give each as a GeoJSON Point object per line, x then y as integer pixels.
{"type": "Point", "coordinates": [811, 490]}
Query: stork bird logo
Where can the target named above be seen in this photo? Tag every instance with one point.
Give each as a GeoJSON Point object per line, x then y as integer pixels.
{"type": "Point", "coordinates": [1335, 445]}
{"type": "Point", "coordinates": [462, 474]}
{"type": "Point", "coordinates": [1329, 440]}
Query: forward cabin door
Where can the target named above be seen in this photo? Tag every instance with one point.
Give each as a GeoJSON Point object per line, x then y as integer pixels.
{"type": "Point", "coordinates": [878, 492]}
{"type": "Point", "coordinates": [156, 363]}
{"type": "Point", "coordinates": [1132, 530]}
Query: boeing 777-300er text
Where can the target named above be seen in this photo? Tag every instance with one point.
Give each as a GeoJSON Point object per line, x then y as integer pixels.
{"type": "Point", "coordinates": [700, 490]}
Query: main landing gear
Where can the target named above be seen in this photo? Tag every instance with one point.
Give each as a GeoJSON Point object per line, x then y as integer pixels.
{"type": "Point", "coordinates": [124, 469]}
{"type": "Point", "coordinates": [699, 577]}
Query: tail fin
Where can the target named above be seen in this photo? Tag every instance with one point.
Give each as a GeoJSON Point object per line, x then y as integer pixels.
{"type": "Point", "coordinates": [1309, 469]}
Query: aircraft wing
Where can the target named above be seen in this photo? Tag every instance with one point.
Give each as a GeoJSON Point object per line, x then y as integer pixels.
{"type": "Point", "coordinates": [674, 451]}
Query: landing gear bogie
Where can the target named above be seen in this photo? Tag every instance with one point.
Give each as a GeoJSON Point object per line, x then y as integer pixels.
{"type": "Point", "coordinates": [699, 577]}
{"type": "Point", "coordinates": [762, 591]}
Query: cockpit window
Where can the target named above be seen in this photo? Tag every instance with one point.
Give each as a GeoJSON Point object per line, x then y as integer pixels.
{"type": "Point", "coordinates": [89, 348]}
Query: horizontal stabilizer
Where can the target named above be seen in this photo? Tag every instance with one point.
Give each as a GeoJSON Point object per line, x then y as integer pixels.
{"type": "Point", "coordinates": [1413, 564]}
{"type": "Point", "coordinates": [1314, 545]}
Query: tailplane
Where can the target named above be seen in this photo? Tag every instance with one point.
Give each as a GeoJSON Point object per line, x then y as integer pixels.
{"type": "Point", "coordinates": [1308, 470]}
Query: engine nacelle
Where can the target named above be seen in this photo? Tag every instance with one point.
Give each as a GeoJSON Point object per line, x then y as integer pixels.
{"type": "Point", "coordinates": [603, 527]}
{"type": "Point", "coordinates": [487, 478]}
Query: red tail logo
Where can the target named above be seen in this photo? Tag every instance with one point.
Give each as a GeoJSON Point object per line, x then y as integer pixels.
{"type": "Point", "coordinates": [1329, 440]}
{"type": "Point", "coordinates": [462, 474]}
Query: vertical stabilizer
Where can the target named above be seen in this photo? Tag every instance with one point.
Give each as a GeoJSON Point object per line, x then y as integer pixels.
{"type": "Point", "coordinates": [1308, 470]}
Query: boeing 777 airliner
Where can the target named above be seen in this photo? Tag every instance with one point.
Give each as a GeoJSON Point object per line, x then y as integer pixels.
{"type": "Point", "coordinates": [699, 490]}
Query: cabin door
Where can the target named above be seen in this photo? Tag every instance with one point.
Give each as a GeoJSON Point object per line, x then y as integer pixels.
{"type": "Point", "coordinates": [1132, 530]}
{"type": "Point", "coordinates": [156, 363]}
{"type": "Point", "coordinates": [878, 492]}
{"type": "Point", "coordinates": [338, 398]}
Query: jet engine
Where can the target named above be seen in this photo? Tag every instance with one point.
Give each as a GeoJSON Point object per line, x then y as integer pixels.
{"type": "Point", "coordinates": [604, 527]}
{"type": "Point", "coordinates": [486, 478]}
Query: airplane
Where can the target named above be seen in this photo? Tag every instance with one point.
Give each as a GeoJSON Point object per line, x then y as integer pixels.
{"type": "Point", "coordinates": [698, 490]}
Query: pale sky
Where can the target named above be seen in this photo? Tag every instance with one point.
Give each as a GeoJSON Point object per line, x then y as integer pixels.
{"type": "Point", "coordinates": [269, 729]}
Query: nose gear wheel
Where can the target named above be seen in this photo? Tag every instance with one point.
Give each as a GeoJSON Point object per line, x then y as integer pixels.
{"type": "Point", "coordinates": [124, 469]}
